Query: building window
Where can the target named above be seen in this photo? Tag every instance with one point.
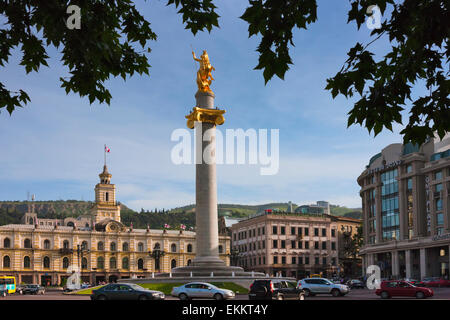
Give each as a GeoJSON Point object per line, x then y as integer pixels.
{"type": "Point", "coordinates": [306, 260]}
{"type": "Point", "coordinates": [140, 247]}
{"type": "Point", "coordinates": [438, 175]}
{"type": "Point", "coordinates": [140, 264]}
{"type": "Point", "coordinates": [84, 245]}
{"type": "Point", "coordinates": [113, 246]}
{"type": "Point", "coordinates": [409, 168]}
{"type": "Point", "coordinates": [6, 243]}
{"type": "Point", "coordinates": [27, 243]}
{"type": "Point", "coordinates": [316, 244]}
{"type": "Point", "coordinates": [65, 244]}
{"type": "Point", "coordinates": [409, 183]}
{"type": "Point", "coordinates": [26, 262]}
{"type": "Point", "coordinates": [293, 244]}
{"type": "Point", "coordinates": [189, 247]}
{"type": "Point", "coordinates": [100, 263]}
{"type": "Point", "coordinates": [306, 231]}
{"type": "Point", "coordinates": [125, 263]}
{"type": "Point", "coordinates": [306, 244]}
{"type": "Point", "coordinates": [84, 263]}
{"type": "Point", "coordinates": [274, 230]}
{"type": "Point", "coordinates": [100, 246]}
{"type": "Point", "coordinates": [438, 187]}
{"type": "Point", "coordinates": [324, 245]}
{"type": "Point", "coordinates": [275, 244]}
{"type": "Point", "coordinates": [275, 260]}
{"type": "Point", "coordinates": [283, 260]}
{"type": "Point", "coordinates": [316, 232]}
{"type": "Point", "coordinates": [173, 247]}
{"type": "Point", "coordinates": [300, 244]}
{"type": "Point", "coordinates": [106, 196]}
{"type": "Point", "coordinates": [283, 230]}
{"type": "Point", "coordinates": [333, 246]}
{"type": "Point", "coordinates": [173, 263]}
{"type": "Point", "coordinates": [316, 260]}
{"type": "Point", "coordinates": [283, 244]}
{"type": "Point", "coordinates": [438, 204]}
{"type": "Point", "coordinates": [324, 261]}
{"type": "Point", "coordinates": [333, 261]}
{"type": "Point", "coordinates": [221, 248]}
{"type": "Point", "coordinates": [189, 262]}
{"type": "Point", "coordinates": [125, 246]}
{"type": "Point", "coordinates": [292, 230]}
{"type": "Point", "coordinates": [440, 219]}
{"type": "Point", "coordinates": [299, 231]}
{"type": "Point", "coordinates": [46, 263]}
{"type": "Point", "coordinates": [65, 263]}
{"type": "Point", "coordinates": [333, 233]}
{"type": "Point", "coordinates": [6, 262]}
{"type": "Point", "coordinates": [47, 244]}
{"type": "Point", "coordinates": [324, 232]}
{"type": "Point", "coordinates": [112, 263]}
{"type": "Point", "coordinates": [389, 205]}
{"type": "Point", "coordinates": [294, 260]}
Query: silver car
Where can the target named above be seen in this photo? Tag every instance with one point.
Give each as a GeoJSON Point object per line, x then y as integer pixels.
{"type": "Point", "coordinates": [201, 290]}
{"type": "Point", "coordinates": [313, 286]}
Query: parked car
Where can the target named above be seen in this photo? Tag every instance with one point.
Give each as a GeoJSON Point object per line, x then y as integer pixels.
{"type": "Point", "coordinates": [201, 290]}
{"type": "Point", "coordinates": [415, 282]}
{"type": "Point", "coordinates": [313, 286]}
{"type": "Point", "coordinates": [268, 289]}
{"type": "Point", "coordinates": [436, 282]}
{"type": "Point", "coordinates": [3, 291]}
{"type": "Point", "coordinates": [19, 288]}
{"type": "Point", "coordinates": [125, 291]}
{"type": "Point", "coordinates": [355, 284]}
{"type": "Point", "coordinates": [33, 289]}
{"type": "Point", "coordinates": [400, 288]}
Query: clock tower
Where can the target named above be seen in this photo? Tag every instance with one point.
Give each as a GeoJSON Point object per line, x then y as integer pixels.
{"type": "Point", "coordinates": [106, 207]}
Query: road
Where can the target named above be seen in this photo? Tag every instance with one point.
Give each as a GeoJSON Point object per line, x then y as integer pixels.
{"type": "Point", "coordinates": [357, 294]}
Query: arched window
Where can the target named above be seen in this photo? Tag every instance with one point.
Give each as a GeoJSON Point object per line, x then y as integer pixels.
{"type": "Point", "coordinates": [26, 262]}
{"type": "Point", "coordinates": [65, 263]}
{"type": "Point", "coordinates": [47, 244]}
{"type": "Point", "coordinates": [84, 263]}
{"type": "Point", "coordinates": [100, 246]}
{"type": "Point", "coordinates": [140, 247]}
{"type": "Point", "coordinates": [6, 262]}
{"type": "Point", "coordinates": [46, 263]}
{"type": "Point", "coordinates": [220, 249]}
{"type": "Point", "coordinates": [106, 196]}
{"type": "Point", "coordinates": [112, 263]}
{"type": "Point", "coordinates": [27, 243]}
{"type": "Point", "coordinates": [157, 246]}
{"type": "Point", "coordinates": [189, 262]}
{"type": "Point", "coordinates": [140, 264]}
{"type": "Point", "coordinates": [173, 263]}
{"type": "Point", "coordinates": [125, 246]}
{"type": "Point", "coordinates": [125, 263]}
{"type": "Point", "coordinates": [100, 263]}
{"type": "Point", "coordinates": [6, 243]}
{"type": "Point", "coordinates": [189, 247]}
{"type": "Point", "coordinates": [84, 245]}
{"type": "Point", "coordinates": [66, 244]}
{"type": "Point", "coordinates": [173, 247]}
{"type": "Point", "coordinates": [113, 246]}
{"type": "Point", "coordinates": [70, 224]}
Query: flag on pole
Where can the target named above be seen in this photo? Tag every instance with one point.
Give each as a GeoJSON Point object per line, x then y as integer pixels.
{"type": "Point", "coordinates": [107, 149]}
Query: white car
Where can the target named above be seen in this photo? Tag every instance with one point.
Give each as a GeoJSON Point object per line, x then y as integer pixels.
{"type": "Point", "coordinates": [201, 290]}
{"type": "Point", "coordinates": [313, 286]}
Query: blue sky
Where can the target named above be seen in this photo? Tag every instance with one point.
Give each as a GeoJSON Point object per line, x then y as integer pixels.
{"type": "Point", "coordinates": [54, 146]}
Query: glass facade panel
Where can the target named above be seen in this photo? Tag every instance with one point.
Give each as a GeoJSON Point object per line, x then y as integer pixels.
{"type": "Point", "coordinates": [390, 223]}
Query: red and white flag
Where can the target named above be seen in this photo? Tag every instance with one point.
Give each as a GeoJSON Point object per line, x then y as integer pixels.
{"type": "Point", "coordinates": [107, 149]}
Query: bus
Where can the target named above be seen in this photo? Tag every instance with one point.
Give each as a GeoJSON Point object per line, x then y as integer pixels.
{"type": "Point", "coordinates": [10, 283]}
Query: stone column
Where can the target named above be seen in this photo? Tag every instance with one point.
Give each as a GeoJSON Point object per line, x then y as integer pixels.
{"type": "Point", "coordinates": [206, 188]}
{"type": "Point", "coordinates": [408, 264]}
{"type": "Point", "coordinates": [423, 263]}
{"type": "Point", "coordinates": [395, 264]}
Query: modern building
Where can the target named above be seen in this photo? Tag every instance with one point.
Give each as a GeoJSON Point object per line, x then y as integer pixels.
{"type": "Point", "coordinates": [47, 251]}
{"type": "Point", "coordinates": [294, 245]}
{"type": "Point", "coordinates": [405, 191]}
{"type": "Point", "coordinates": [321, 207]}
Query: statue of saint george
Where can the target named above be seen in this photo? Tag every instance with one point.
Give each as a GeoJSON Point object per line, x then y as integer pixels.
{"type": "Point", "coordinates": [204, 76]}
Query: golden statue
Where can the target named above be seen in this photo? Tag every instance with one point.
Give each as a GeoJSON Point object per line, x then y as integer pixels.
{"type": "Point", "coordinates": [204, 76]}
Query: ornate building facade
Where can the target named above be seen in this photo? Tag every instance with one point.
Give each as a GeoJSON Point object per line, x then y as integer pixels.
{"type": "Point", "coordinates": [47, 251]}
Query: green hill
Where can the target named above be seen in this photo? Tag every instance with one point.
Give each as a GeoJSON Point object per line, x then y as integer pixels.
{"type": "Point", "coordinates": [12, 212]}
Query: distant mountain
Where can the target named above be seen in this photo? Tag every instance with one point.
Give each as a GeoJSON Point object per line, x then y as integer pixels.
{"type": "Point", "coordinates": [12, 212]}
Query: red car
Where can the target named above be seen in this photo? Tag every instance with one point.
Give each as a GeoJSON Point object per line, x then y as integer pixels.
{"type": "Point", "coordinates": [436, 282]}
{"type": "Point", "coordinates": [399, 288]}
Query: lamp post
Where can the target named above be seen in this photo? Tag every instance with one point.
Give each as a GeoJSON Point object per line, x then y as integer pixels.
{"type": "Point", "coordinates": [80, 250]}
{"type": "Point", "coordinates": [157, 254]}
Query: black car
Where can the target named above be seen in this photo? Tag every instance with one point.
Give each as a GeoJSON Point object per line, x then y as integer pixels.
{"type": "Point", "coordinates": [33, 289]}
{"type": "Point", "coordinates": [268, 289]}
{"type": "Point", "coordinates": [355, 284]}
{"type": "Point", "coordinates": [125, 291]}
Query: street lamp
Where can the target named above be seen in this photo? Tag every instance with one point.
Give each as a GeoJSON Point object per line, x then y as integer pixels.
{"type": "Point", "coordinates": [156, 254]}
{"type": "Point", "coordinates": [80, 250]}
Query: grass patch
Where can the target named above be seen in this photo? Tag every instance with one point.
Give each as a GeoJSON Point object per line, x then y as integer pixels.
{"type": "Point", "coordinates": [167, 287]}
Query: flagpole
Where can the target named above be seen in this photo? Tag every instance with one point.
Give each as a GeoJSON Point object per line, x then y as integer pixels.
{"type": "Point", "coordinates": [104, 150]}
